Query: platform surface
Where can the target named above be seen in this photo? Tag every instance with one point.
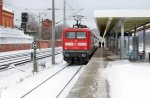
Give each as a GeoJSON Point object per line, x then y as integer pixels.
{"type": "Point", "coordinates": [91, 84]}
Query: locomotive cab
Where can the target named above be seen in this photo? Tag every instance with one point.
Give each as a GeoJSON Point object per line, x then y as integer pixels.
{"type": "Point", "coordinates": [76, 44]}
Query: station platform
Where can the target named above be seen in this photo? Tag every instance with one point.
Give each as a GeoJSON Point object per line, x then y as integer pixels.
{"type": "Point", "coordinates": [91, 84]}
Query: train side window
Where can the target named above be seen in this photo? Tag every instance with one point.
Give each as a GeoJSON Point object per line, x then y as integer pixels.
{"type": "Point", "coordinates": [81, 35]}
{"type": "Point", "coordinates": [70, 34]}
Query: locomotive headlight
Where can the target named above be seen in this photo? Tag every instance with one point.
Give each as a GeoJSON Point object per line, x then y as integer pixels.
{"type": "Point", "coordinates": [68, 44]}
{"type": "Point", "coordinates": [82, 44]}
{"type": "Point", "coordinates": [83, 55]}
{"type": "Point", "coordinates": [66, 55]}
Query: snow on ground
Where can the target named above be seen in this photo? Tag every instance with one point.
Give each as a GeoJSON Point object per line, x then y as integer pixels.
{"type": "Point", "coordinates": [23, 51]}
{"type": "Point", "coordinates": [128, 80]}
{"type": "Point", "coordinates": [53, 87]}
{"type": "Point", "coordinates": [16, 75]}
{"type": "Point", "coordinates": [12, 81]}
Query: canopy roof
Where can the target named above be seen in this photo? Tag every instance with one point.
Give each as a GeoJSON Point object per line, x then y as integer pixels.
{"type": "Point", "coordinates": [109, 19]}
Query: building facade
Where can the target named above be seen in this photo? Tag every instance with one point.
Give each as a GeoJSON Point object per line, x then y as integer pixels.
{"type": "Point", "coordinates": [46, 29]}
{"type": "Point", "coordinates": [6, 16]}
{"type": "Point", "coordinates": [1, 10]}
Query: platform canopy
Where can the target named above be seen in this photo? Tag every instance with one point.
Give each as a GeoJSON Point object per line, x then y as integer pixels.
{"type": "Point", "coordinates": [108, 20]}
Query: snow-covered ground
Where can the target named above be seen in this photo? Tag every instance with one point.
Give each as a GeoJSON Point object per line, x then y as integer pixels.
{"type": "Point", "coordinates": [18, 81]}
{"type": "Point", "coordinates": [23, 51]}
{"type": "Point", "coordinates": [128, 80]}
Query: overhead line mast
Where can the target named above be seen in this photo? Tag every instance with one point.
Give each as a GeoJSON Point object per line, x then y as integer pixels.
{"type": "Point", "coordinates": [53, 31]}
{"type": "Point", "coordinates": [64, 13]}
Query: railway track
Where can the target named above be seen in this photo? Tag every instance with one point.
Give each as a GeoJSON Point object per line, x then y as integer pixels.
{"type": "Point", "coordinates": [16, 59]}
{"type": "Point", "coordinates": [56, 75]}
{"type": "Point", "coordinates": [68, 82]}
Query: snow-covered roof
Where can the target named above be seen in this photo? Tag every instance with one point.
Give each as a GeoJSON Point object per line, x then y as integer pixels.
{"type": "Point", "coordinates": [9, 35]}
{"type": "Point", "coordinates": [6, 9]}
{"type": "Point", "coordinates": [13, 33]}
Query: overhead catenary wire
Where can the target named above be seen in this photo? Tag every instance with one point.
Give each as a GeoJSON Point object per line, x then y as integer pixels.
{"type": "Point", "coordinates": [87, 21]}
{"type": "Point", "coordinates": [70, 6]}
{"type": "Point", "coordinates": [21, 9]}
{"type": "Point", "coordinates": [70, 16]}
{"type": "Point", "coordinates": [74, 3]}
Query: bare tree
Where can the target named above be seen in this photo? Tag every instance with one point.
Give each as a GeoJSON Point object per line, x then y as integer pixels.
{"type": "Point", "coordinates": [47, 32]}
{"type": "Point", "coordinates": [59, 30]}
{"type": "Point", "coordinates": [32, 24]}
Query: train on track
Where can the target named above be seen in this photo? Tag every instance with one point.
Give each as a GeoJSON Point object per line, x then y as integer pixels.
{"type": "Point", "coordinates": [78, 44]}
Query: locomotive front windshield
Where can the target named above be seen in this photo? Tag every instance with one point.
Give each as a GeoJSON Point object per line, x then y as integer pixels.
{"type": "Point", "coordinates": [81, 35]}
{"type": "Point", "coordinates": [70, 35]}
{"type": "Point", "coordinates": [77, 35]}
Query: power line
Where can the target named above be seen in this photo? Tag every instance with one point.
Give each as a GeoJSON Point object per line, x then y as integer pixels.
{"type": "Point", "coordinates": [70, 6]}
{"type": "Point", "coordinates": [70, 16]}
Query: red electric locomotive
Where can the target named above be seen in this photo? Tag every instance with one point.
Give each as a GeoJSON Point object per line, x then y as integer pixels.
{"type": "Point", "coordinates": [78, 44]}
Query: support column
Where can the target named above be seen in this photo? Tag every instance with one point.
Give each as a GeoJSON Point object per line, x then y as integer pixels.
{"type": "Point", "coordinates": [122, 40]}
{"type": "Point", "coordinates": [113, 41]}
{"type": "Point", "coordinates": [35, 67]}
{"type": "Point", "coordinates": [134, 39]}
{"type": "Point", "coordinates": [135, 52]}
{"type": "Point", "coordinates": [53, 31]}
{"type": "Point", "coordinates": [39, 31]}
{"type": "Point", "coordinates": [64, 13]}
{"type": "Point", "coordinates": [109, 42]}
{"type": "Point", "coordinates": [144, 42]}
{"type": "Point", "coordinates": [116, 43]}
{"type": "Point", "coordinates": [106, 42]}
{"type": "Point", "coordinates": [128, 42]}
{"type": "Point", "coordinates": [135, 30]}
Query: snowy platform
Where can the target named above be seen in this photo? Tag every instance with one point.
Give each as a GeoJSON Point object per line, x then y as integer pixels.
{"type": "Point", "coordinates": [91, 84]}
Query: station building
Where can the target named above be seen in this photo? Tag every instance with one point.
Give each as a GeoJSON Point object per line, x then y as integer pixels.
{"type": "Point", "coordinates": [6, 16]}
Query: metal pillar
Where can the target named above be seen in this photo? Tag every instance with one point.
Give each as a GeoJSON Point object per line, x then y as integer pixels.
{"type": "Point", "coordinates": [53, 31]}
{"type": "Point", "coordinates": [122, 40]}
{"type": "Point", "coordinates": [116, 43]}
{"type": "Point", "coordinates": [128, 42]}
{"type": "Point", "coordinates": [106, 41]}
{"type": "Point", "coordinates": [134, 39]}
{"type": "Point", "coordinates": [113, 41]}
{"type": "Point", "coordinates": [39, 30]}
{"type": "Point", "coordinates": [144, 42]}
{"type": "Point", "coordinates": [135, 30]}
{"type": "Point", "coordinates": [135, 51]}
{"type": "Point", "coordinates": [35, 67]}
{"type": "Point", "coordinates": [34, 47]}
{"type": "Point", "coordinates": [64, 13]}
{"type": "Point", "coordinates": [109, 42]}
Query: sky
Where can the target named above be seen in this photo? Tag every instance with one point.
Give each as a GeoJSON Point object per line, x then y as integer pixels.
{"type": "Point", "coordinates": [89, 6]}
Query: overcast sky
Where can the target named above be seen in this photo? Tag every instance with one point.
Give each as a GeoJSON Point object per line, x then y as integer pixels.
{"type": "Point", "coordinates": [89, 6]}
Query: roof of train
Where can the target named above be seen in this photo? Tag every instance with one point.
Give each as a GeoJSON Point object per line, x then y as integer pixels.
{"type": "Point", "coordinates": [77, 29]}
